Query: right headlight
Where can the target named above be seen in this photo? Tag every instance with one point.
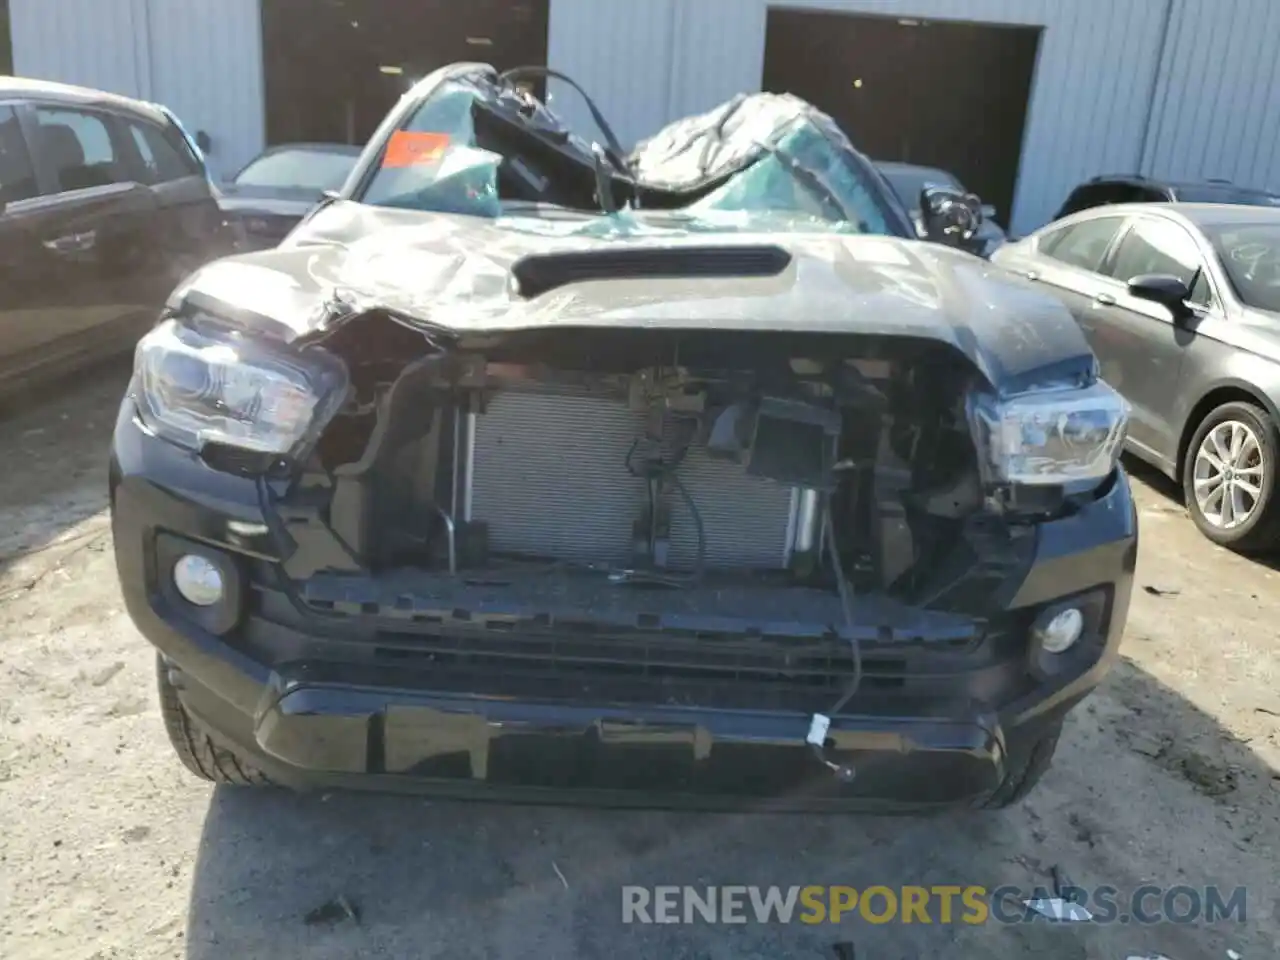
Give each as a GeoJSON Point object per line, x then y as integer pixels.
{"type": "Point", "coordinates": [1064, 437]}
{"type": "Point", "coordinates": [206, 382]}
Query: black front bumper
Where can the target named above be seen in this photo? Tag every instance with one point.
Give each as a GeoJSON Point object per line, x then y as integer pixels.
{"type": "Point", "coordinates": [294, 691]}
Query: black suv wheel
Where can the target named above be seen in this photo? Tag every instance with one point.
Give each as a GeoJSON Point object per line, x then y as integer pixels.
{"type": "Point", "coordinates": [198, 753]}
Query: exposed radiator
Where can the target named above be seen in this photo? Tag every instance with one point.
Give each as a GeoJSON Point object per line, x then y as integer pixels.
{"type": "Point", "coordinates": [549, 477]}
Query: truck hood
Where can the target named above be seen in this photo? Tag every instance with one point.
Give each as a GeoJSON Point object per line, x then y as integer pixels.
{"type": "Point", "coordinates": [454, 276]}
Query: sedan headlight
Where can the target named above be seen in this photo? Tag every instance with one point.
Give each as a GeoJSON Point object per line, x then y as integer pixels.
{"type": "Point", "coordinates": [1059, 437]}
{"type": "Point", "coordinates": [206, 383]}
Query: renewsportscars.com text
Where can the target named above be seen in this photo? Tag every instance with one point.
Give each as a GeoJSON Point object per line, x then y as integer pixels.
{"type": "Point", "coordinates": [941, 904]}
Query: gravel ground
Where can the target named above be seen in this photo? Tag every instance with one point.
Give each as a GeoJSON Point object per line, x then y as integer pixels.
{"type": "Point", "coordinates": [110, 850]}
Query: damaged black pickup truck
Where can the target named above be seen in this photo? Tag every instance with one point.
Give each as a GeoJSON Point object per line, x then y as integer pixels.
{"type": "Point", "coordinates": [527, 468]}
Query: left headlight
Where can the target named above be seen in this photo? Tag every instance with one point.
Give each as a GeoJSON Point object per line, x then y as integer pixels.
{"type": "Point", "coordinates": [1057, 437]}
{"type": "Point", "coordinates": [206, 383]}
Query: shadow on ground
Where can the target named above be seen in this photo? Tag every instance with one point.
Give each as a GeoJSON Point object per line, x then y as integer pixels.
{"type": "Point", "coordinates": [56, 443]}
{"type": "Point", "coordinates": [1153, 478]}
{"type": "Point", "coordinates": [459, 880]}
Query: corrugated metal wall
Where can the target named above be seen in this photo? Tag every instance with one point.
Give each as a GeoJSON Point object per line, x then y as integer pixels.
{"type": "Point", "coordinates": [208, 70]}
{"type": "Point", "coordinates": [1217, 106]}
{"type": "Point", "coordinates": [621, 51]}
{"type": "Point", "coordinates": [648, 61]}
{"type": "Point", "coordinates": [94, 43]}
{"type": "Point", "coordinates": [201, 58]}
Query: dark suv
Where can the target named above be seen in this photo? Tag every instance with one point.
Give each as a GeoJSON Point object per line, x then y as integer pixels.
{"type": "Point", "coordinates": [104, 206]}
{"type": "Point", "coordinates": [1134, 188]}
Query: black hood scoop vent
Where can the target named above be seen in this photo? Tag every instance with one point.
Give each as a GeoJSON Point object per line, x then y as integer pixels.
{"type": "Point", "coordinates": [541, 273]}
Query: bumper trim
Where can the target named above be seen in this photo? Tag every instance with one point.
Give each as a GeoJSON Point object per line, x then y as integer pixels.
{"type": "Point", "coordinates": [322, 731]}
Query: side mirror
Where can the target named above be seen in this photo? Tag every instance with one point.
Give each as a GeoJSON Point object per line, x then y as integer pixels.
{"type": "Point", "coordinates": [950, 217]}
{"type": "Point", "coordinates": [1166, 290]}
{"type": "Point", "coordinates": [204, 141]}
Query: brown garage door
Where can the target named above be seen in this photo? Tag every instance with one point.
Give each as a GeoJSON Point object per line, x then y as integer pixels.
{"type": "Point", "coordinates": [935, 93]}
{"type": "Point", "coordinates": [333, 68]}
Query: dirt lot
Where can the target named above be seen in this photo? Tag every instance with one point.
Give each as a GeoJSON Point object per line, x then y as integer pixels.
{"type": "Point", "coordinates": [110, 850]}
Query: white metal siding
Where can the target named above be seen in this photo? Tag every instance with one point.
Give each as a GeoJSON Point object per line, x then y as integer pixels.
{"type": "Point", "coordinates": [1217, 106]}
{"type": "Point", "coordinates": [206, 61]}
{"type": "Point", "coordinates": [621, 53]}
{"type": "Point", "coordinates": [650, 61]}
{"type": "Point", "coordinates": [201, 58]}
{"type": "Point", "coordinates": [92, 43]}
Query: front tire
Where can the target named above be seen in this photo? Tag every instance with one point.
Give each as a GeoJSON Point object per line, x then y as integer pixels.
{"type": "Point", "coordinates": [198, 753]}
{"type": "Point", "coordinates": [1229, 478]}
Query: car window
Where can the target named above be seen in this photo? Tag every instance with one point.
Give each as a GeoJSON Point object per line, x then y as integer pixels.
{"type": "Point", "coordinates": [1219, 193]}
{"type": "Point", "coordinates": [17, 176]}
{"type": "Point", "coordinates": [314, 170]}
{"type": "Point", "coordinates": [1082, 244]}
{"type": "Point", "coordinates": [1250, 255]}
{"type": "Point", "coordinates": [1085, 198]}
{"type": "Point", "coordinates": [164, 160]}
{"type": "Point", "coordinates": [1105, 194]}
{"type": "Point", "coordinates": [79, 147]}
{"type": "Point", "coordinates": [1158, 246]}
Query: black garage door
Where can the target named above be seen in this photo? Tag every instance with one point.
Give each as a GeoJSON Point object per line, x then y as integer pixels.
{"type": "Point", "coordinates": [334, 67]}
{"type": "Point", "coordinates": [935, 93]}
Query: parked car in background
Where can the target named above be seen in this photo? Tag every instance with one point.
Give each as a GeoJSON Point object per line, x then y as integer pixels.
{"type": "Point", "coordinates": [1181, 303]}
{"type": "Point", "coordinates": [908, 180]}
{"type": "Point", "coordinates": [1133, 188]}
{"type": "Point", "coordinates": [266, 199]}
{"type": "Point", "coordinates": [105, 209]}
{"type": "Point", "coordinates": [532, 468]}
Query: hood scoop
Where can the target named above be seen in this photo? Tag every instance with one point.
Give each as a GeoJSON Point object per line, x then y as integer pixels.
{"type": "Point", "coordinates": [542, 273]}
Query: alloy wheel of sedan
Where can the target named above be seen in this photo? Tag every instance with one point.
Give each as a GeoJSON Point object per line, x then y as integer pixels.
{"type": "Point", "coordinates": [1229, 477]}
{"type": "Point", "coordinates": [1228, 474]}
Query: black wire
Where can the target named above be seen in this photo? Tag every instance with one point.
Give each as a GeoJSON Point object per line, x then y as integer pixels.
{"type": "Point", "coordinates": [666, 470]}
{"type": "Point", "coordinates": [616, 153]}
{"type": "Point", "coordinates": [699, 563]}
{"type": "Point", "coordinates": [846, 605]}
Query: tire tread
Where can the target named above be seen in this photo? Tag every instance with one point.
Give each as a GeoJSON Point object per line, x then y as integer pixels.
{"type": "Point", "coordinates": [198, 753]}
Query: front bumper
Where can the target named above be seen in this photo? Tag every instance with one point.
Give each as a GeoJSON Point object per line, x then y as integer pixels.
{"type": "Point", "coordinates": [286, 689]}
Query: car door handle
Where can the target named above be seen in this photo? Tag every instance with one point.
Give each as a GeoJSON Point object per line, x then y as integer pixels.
{"type": "Point", "coordinates": [73, 243]}
{"type": "Point", "coordinates": [1104, 299]}
{"type": "Point", "coordinates": [1031, 274]}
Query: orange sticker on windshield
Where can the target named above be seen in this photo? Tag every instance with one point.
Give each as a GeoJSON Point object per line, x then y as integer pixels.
{"type": "Point", "coordinates": [412, 148]}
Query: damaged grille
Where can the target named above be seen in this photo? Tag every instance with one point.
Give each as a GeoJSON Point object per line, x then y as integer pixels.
{"type": "Point", "coordinates": [686, 646]}
{"type": "Point", "coordinates": [695, 669]}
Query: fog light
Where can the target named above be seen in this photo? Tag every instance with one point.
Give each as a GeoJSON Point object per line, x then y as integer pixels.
{"type": "Point", "coordinates": [1060, 632]}
{"type": "Point", "coordinates": [198, 581]}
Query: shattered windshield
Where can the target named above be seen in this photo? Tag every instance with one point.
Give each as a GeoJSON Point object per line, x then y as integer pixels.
{"type": "Point", "coordinates": [431, 163]}
{"type": "Point", "coordinates": [793, 176]}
